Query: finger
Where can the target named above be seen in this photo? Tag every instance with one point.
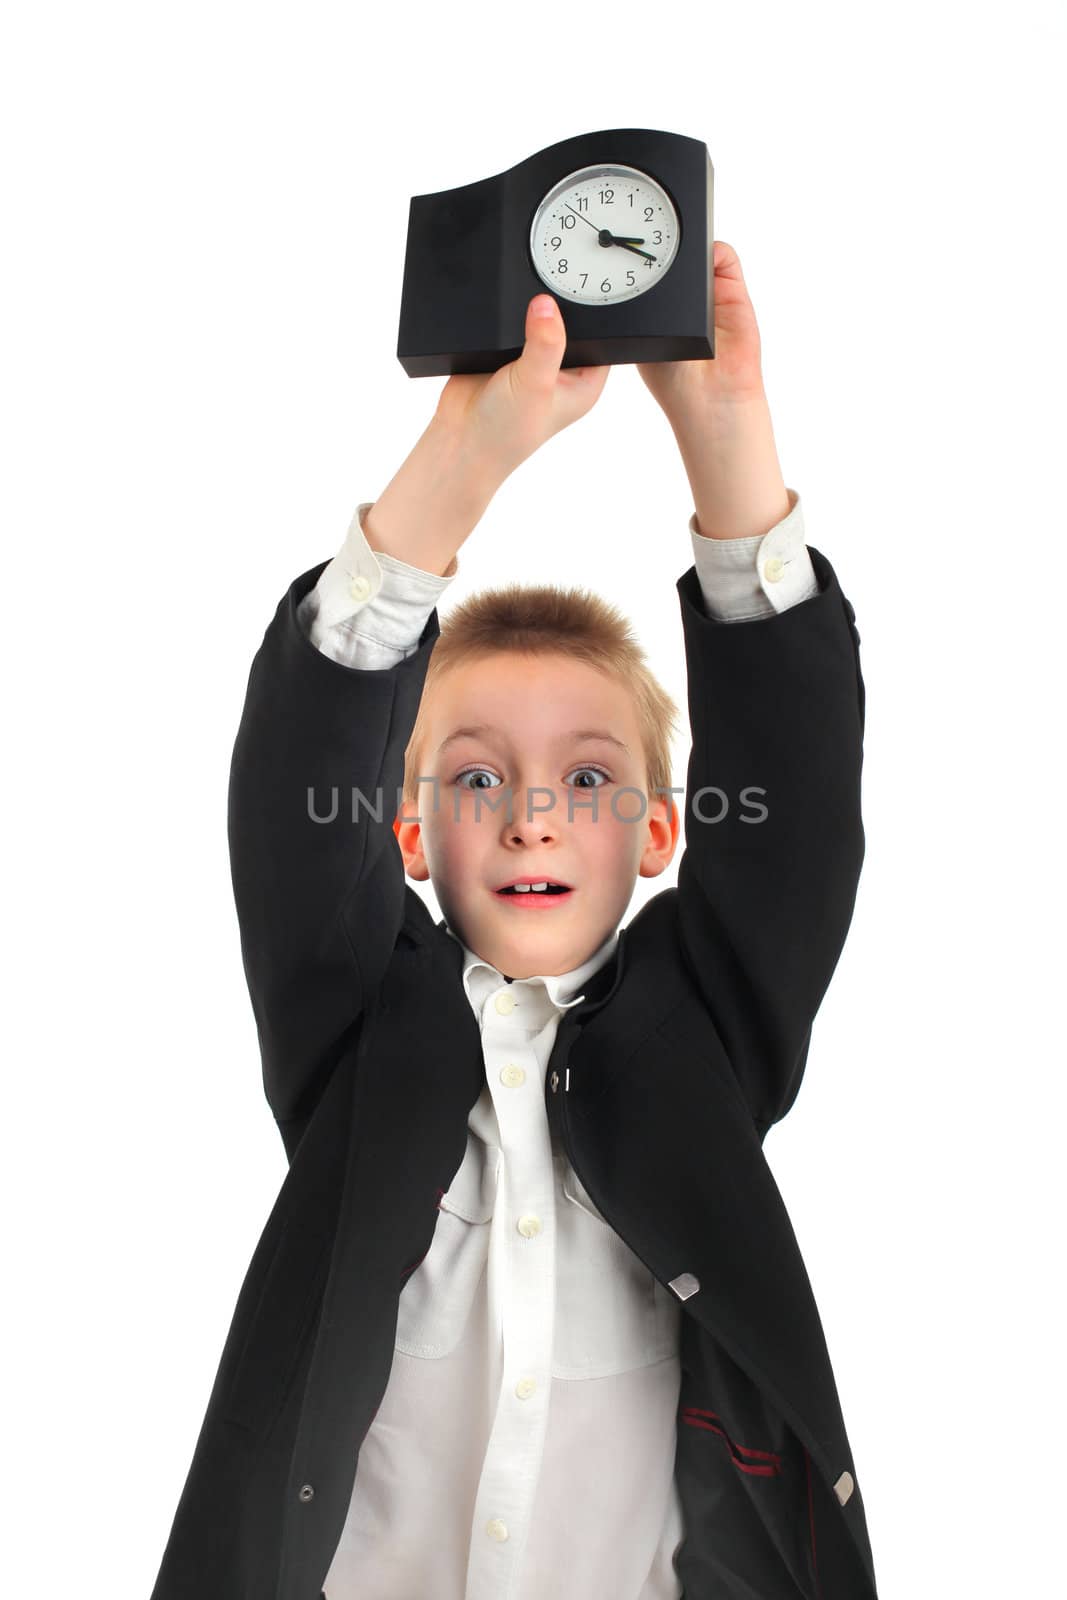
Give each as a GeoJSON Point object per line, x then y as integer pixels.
{"type": "Point", "coordinates": [730, 286]}
{"type": "Point", "coordinates": [595, 377]}
{"type": "Point", "coordinates": [726, 261]}
{"type": "Point", "coordinates": [546, 341]}
{"type": "Point", "coordinates": [579, 390]}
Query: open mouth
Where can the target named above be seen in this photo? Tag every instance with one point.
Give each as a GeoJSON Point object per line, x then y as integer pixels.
{"type": "Point", "coordinates": [529, 896]}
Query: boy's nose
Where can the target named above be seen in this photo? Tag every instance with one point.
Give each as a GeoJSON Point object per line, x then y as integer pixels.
{"type": "Point", "coordinates": [535, 812]}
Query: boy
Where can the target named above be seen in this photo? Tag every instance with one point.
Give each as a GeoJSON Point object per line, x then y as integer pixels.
{"type": "Point", "coordinates": [528, 1318]}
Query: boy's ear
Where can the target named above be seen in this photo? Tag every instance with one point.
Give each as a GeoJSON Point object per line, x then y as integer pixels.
{"type": "Point", "coordinates": [409, 838]}
{"type": "Point", "coordinates": [663, 831]}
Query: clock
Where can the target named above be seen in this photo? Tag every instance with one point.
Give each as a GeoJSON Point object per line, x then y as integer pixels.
{"type": "Point", "coordinates": [616, 224]}
{"type": "Point", "coordinates": [604, 234]}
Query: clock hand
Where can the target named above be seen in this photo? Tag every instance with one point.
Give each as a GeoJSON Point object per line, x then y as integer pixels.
{"type": "Point", "coordinates": [579, 214]}
{"type": "Point", "coordinates": [625, 245]}
{"type": "Point", "coordinates": [608, 238]}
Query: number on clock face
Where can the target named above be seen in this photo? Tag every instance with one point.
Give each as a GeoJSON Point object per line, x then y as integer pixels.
{"type": "Point", "coordinates": [604, 234]}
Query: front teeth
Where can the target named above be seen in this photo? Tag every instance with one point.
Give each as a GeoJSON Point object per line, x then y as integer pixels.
{"type": "Point", "coordinates": [524, 888]}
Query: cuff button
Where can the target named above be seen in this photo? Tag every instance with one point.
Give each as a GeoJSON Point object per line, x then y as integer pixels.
{"type": "Point", "coordinates": [844, 1486]}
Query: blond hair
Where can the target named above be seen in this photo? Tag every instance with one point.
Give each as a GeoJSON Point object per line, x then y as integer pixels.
{"type": "Point", "coordinates": [541, 619]}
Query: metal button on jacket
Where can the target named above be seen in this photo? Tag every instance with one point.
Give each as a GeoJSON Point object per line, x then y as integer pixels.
{"type": "Point", "coordinates": [684, 1285]}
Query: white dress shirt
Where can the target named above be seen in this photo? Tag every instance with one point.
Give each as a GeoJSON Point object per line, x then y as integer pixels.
{"type": "Point", "coordinates": [524, 1446]}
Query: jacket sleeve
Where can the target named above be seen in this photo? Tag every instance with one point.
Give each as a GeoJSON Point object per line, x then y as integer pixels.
{"type": "Point", "coordinates": [773, 832]}
{"type": "Point", "coordinates": [318, 878]}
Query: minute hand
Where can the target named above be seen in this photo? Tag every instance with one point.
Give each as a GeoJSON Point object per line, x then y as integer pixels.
{"type": "Point", "coordinates": [607, 238]}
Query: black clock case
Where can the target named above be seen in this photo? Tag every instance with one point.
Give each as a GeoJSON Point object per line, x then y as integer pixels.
{"type": "Point", "coordinates": [469, 275]}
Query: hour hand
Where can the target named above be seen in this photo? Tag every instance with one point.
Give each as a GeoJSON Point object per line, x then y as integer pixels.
{"type": "Point", "coordinates": [632, 244]}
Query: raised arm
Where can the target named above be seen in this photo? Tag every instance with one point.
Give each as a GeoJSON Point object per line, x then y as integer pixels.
{"type": "Point", "coordinates": [772, 818]}
{"type": "Point", "coordinates": [317, 764]}
{"type": "Point", "coordinates": [773, 830]}
{"type": "Point", "coordinates": [318, 760]}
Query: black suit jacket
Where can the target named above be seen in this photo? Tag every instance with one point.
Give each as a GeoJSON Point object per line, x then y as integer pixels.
{"type": "Point", "coordinates": [662, 1083]}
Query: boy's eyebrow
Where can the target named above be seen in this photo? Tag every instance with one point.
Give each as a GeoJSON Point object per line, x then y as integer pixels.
{"type": "Point", "coordinates": [476, 730]}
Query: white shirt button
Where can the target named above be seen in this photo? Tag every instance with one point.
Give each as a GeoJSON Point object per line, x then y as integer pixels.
{"type": "Point", "coordinates": [359, 588]}
{"type": "Point", "coordinates": [512, 1075]}
{"type": "Point", "coordinates": [497, 1530]}
{"type": "Point", "coordinates": [773, 569]}
{"type": "Point", "coordinates": [504, 1002]}
{"type": "Point", "coordinates": [525, 1388]}
{"type": "Point", "coordinates": [529, 1225]}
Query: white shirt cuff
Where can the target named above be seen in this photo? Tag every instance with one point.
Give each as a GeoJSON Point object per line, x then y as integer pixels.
{"type": "Point", "coordinates": [757, 576]}
{"type": "Point", "coordinates": [396, 597]}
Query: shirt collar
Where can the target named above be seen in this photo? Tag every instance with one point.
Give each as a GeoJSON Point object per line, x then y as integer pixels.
{"type": "Point", "coordinates": [563, 989]}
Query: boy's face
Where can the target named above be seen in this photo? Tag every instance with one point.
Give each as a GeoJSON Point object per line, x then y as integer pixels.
{"type": "Point", "coordinates": [533, 709]}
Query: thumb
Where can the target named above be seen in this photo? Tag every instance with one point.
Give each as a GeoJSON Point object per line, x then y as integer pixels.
{"type": "Point", "coordinates": [546, 338]}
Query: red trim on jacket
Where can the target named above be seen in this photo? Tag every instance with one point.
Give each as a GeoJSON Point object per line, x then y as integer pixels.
{"type": "Point", "coordinates": [763, 1463]}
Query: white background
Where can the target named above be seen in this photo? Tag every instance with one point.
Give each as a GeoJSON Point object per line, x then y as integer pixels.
{"type": "Point", "coordinates": [205, 211]}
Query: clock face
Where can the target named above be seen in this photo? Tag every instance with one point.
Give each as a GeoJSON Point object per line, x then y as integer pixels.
{"type": "Point", "coordinates": [604, 234]}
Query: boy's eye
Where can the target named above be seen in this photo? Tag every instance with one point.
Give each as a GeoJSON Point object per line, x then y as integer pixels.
{"type": "Point", "coordinates": [466, 773]}
{"type": "Point", "coordinates": [469, 771]}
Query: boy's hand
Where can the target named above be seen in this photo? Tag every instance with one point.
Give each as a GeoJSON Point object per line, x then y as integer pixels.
{"type": "Point", "coordinates": [686, 388]}
{"type": "Point", "coordinates": [502, 417]}
{"type": "Point", "coordinates": [484, 426]}
{"type": "Point", "coordinates": [721, 421]}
